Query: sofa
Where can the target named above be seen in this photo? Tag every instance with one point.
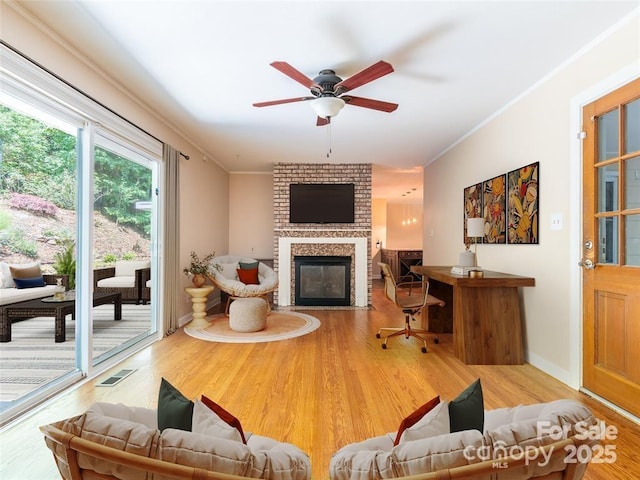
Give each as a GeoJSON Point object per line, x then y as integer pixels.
{"type": "Point", "coordinates": [114, 441]}
{"type": "Point", "coordinates": [515, 443]}
{"type": "Point", "coordinates": [129, 278]}
{"type": "Point", "coordinates": [9, 293]}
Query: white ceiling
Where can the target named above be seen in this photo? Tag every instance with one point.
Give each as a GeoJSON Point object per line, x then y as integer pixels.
{"type": "Point", "coordinates": [202, 64]}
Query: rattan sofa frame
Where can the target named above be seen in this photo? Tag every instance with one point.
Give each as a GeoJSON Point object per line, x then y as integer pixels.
{"type": "Point", "coordinates": [66, 447]}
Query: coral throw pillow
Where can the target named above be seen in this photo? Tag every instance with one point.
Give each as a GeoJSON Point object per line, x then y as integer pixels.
{"type": "Point", "coordinates": [249, 276]}
{"type": "Point", "coordinates": [415, 417]}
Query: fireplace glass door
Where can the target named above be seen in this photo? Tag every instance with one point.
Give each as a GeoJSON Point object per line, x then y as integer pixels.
{"type": "Point", "coordinates": [322, 281]}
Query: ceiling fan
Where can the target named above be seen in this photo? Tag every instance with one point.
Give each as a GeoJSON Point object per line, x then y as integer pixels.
{"type": "Point", "coordinates": [328, 90]}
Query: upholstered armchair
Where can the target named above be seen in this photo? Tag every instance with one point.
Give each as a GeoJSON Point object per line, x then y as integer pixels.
{"type": "Point", "coordinates": [127, 277]}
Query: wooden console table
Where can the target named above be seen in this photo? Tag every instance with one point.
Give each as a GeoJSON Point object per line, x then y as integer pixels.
{"type": "Point", "coordinates": [486, 315]}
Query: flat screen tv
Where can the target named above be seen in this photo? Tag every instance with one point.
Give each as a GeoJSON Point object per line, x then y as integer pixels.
{"type": "Point", "coordinates": [321, 203]}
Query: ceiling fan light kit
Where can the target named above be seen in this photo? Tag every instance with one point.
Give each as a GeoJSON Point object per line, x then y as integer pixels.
{"type": "Point", "coordinates": [327, 107]}
{"type": "Point", "coordinates": [327, 89]}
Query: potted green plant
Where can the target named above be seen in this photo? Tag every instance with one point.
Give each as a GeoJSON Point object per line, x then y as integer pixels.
{"type": "Point", "coordinates": [198, 269]}
{"type": "Point", "coordinates": [65, 262]}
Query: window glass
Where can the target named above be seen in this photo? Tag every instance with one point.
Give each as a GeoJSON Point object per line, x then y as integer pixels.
{"type": "Point", "coordinates": [632, 240]}
{"type": "Point", "coordinates": [608, 240]}
{"type": "Point", "coordinates": [608, 129]}
{"type": "Point", "coordinates": [632, 127]}
{"type": "Point", "coordinates": [608, 188]}
{"type": "Point", "coordinates": [632, 183]}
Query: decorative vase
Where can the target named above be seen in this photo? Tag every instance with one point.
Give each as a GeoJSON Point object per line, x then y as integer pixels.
{"type": "Point", "coordinates": [198, 280]}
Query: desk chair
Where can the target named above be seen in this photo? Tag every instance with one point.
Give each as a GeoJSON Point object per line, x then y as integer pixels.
{"type": "Point", "coordinates": [410, 304]}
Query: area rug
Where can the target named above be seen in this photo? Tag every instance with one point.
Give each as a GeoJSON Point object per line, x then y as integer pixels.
{"type": "Point", "coordinates": [280, 326]}
{"type": "Point", "coordinates": [32, 358]}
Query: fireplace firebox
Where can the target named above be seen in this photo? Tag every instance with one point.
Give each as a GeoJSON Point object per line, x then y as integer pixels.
{"type": "Point", "coordinates": [322, 281]}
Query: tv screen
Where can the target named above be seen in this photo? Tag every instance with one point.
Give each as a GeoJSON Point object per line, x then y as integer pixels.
{"type": "Point", "coordinates": [321, 203]}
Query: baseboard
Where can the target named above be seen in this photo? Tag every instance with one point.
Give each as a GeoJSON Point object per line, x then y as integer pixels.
{"type": "Point", "coordinates": [551, 369]}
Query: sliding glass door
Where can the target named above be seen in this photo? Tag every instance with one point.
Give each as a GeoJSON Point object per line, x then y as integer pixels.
{"type": "Point", "coordinates": [79, 202]}
{"type": "Point", "coordinates": [123, 182]}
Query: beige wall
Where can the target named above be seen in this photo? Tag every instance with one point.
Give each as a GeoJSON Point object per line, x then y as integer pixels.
{"type": "Point", "coordinates": [204, 189]}
{"type": "Point", "coordinates": [538, 127]}
{"type": "Point", "coordinates": [251, 215]}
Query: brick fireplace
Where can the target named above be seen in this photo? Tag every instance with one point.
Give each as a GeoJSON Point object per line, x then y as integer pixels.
{"type": "Point", "coordinates": [324, 240]}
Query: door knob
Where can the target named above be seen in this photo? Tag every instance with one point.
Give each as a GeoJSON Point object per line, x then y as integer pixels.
{"type": "Point", "coordinates": [588, 264]}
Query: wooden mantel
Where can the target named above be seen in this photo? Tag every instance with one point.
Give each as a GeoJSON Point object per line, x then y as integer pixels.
{"type": "Point", "coordinates": [486, 315]}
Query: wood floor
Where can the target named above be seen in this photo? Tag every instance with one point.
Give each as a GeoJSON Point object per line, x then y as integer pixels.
{"type": "Point", "coordinates": [320, 391]}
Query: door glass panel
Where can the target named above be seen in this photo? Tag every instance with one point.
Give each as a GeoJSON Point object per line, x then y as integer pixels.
{"type": "Point", "coordinates": [608, 236]}
{"type": "Point", "coordinates": [608, 188]}
{"type": "Point", "coordinates": [632, 241]}
{"type": "Point", "coordinates": [632, 183]}
{"type": "Point", "coordinates": [122, 250]}
{"type": "Point", "coordinates": [632, 127]}
{"type": "Point", "coordinates": [608, 129]}
{"type": "Point", "coordinates": [37, 224]}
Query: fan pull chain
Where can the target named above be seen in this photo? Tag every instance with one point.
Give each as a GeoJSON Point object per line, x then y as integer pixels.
{"type": "Point", "coordinates": [329, 136]}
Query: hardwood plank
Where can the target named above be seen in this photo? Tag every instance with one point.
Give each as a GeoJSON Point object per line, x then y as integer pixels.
{"type": "Point", "coordinates": [320, 391]}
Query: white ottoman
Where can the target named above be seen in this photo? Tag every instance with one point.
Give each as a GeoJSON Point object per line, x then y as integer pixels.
{"type": "Point", "coordinates": [248, 315]}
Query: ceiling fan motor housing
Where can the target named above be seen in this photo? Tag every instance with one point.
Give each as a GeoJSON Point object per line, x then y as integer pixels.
{"type": "Point", "coordinates": [326, 80]}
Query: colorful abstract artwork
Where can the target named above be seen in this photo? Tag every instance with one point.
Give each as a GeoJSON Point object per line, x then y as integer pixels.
{"type": "Point", "coordinates": [522, 214]}
{"type": "Point", "coordinates": [494, 209]}
{"type": "Point", "coordinates": [472, 207]}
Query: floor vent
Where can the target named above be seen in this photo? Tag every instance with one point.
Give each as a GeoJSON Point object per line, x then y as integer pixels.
{"type": "Point", "coordinates": [115, 378]}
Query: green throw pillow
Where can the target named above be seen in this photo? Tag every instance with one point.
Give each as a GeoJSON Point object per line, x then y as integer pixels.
{"type": "Point", "coordinates": [247, 266]}
{"type": "Point", "coordinates": [174, 409]}
{"type": "Point", "coordinates": [466, 412]}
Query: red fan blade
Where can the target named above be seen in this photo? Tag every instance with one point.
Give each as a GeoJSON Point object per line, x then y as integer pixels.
{"type": "Point", "coordinates": [367, 75]}
{"type": "Point", "coordinates": [296, 75]}
{"type": "Point", "coordinates": [369, 103]}
{"type": "Point", "coordinates": [285, 100]}
{"type": "Point", "coordinates": [321, 122]}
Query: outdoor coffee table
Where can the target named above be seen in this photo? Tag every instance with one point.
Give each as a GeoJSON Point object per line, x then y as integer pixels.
{"type": "Point", "coordinates": [44, 307]}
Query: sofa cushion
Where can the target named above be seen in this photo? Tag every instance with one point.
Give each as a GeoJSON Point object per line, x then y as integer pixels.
{"type": "Point", "coordinates": [116, 433]}
{"type": "Point", "coordinates": [122, 281]}
{"type": "Point", "coordinates": [266, 459]}
{"type": "Point", "coordinates": [13, 295]}
{"type": "Point", "coordinates": [434, 423]}
{"type": "Point", "coordinates": [127, 268]}
{"type": "Point", "coordinates": [466, 411]}
{"type": "Point", "coordinates": [415, 416]}
{"type": "Point", "coordinates": [145, 416]}
{"type": "Point", "coordinates": [248, 265]}
{"type": "Point", "coordinates": [371, 460]}
{"type": "Point", "coordinates": [174, 409]}
{"type": "Point", "coordinates": [207, 422]}
{"type": "Point", "coordinates": [227, 417]}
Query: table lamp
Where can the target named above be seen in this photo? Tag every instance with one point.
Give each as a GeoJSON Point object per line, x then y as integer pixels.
{"type": "Point", "coordinates": [475, 230]}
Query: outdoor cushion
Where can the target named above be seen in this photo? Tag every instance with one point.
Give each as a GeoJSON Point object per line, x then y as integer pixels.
{"type": "Point", "coordinates": [128, 267]}
{"type": "Point", "coordinates": [123, 281]}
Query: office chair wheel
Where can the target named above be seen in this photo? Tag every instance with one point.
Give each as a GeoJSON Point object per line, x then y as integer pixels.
{"type": "Point", "coordinates": [384, 346]}
{"type": "Point", "coordinates": [377, 335]}
{"type": "Point", "coordinates": [437, 340]}
{"type": "Point", "coordinates": [424, 349]}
